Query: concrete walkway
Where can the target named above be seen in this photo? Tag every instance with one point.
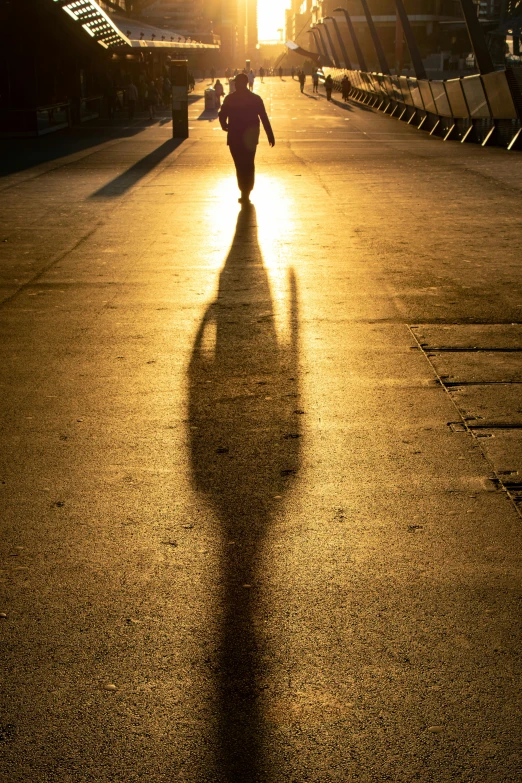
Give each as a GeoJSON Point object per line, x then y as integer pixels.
{"type": "Point", "coordinates": [251, 527]}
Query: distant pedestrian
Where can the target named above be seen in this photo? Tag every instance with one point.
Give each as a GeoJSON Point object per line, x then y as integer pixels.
{"type": "Point", "coordinates": [261, 74]}
{"type": "Point", "coordinates": [302, 79]}
{"type": "Point", "coordinates": [240, 116]}
{"type": "Point", "coordinates": [167, 91]}
{"type": "Point", "coordinates": [212, 74]}
{"type": "Point", "coordinates": [315, 81]}
{"type": "Point", "coordinates": [227, 74]}
{"type": "Point", "coordinates": [251, 77]}
{"type": "Point", "coordinates": [219, 90]}
{"type": "Point", "coordinates": [328, 86]}
{"type": "Point", "coordinates": [293, 72]}
{"type": "Point", "coordinates": [280, 72]}
{"type": "Point", "coordinates": [131, 93]}
{"type": "Point", "coordinates": [346, 86]}
{"type": "Point", "coordinates": [142, 91]}
{"type": "Point", "coordinates": [152, 100]}
{"type": "Point", "coordinates": [159, 89]}
{"type": "Point", "coordinates": [191, 80]}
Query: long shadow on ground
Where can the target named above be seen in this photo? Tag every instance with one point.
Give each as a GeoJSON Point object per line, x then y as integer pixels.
{"type": "Point", "coordinates": [140, 169]}
{"type": "Point", "coordinates": [244, 439]}
{"type": "Point", "coordinates": [21, 154]}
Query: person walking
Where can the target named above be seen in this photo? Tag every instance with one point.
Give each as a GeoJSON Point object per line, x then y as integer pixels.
{"type": "Point", "coordinates": [152, 100]}
{"type": "Point", "coordinates": [212, 74]}
{"type": "Point", "coordinates": [328, 86]}
{"type": "Point", "coordinates": [251, 77]}
{"type": "Point", "coordinates": [293, 72]}
{"type": "Point", "coordinates": [261, 74]}
{"type": "Point", "coordinates": [219, 90]}
{"type": "Point", "coordinates": [131, 93]}
{"type": "Point", "coordinates": [142, 92]}
{"type": "Point", "coordinates": [159, 90]}
{"type": "Point", "coordinates": [240, 117]}
{"type": "Point", "coordinates": [302, 79]}
{"type": "Point", "coordinates": [315, 81]}
{"type": "Point", "coordinates": [167, 92]}
{"type": "Point", "coordinates": [346, 86]}
{"type": "Point", "coordinates": [280, 72]}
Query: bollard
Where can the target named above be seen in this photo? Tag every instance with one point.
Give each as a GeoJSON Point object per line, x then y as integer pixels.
{"type": "Point", "coordinates": [179, 81]}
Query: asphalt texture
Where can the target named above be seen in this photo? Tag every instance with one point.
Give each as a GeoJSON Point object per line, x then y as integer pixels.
{"type": "Point", "coordinates": [260, 467]}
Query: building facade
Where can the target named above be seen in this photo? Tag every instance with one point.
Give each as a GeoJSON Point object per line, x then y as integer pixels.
{"type": "Point", "coordinates": [438, 27]}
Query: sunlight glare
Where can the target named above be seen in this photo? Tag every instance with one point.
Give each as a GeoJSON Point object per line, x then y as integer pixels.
{"type": "Point", "coordinates": [271, 18]}
{"type": "Point", "coordinates": [274, 208]}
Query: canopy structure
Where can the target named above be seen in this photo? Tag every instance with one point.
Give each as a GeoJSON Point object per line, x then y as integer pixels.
{"type": "Point", "coordinates": [95, 22]}
{"type": "Point", "coordinates": [145, 36]}
{"type": "Point", "coordinates": [303, 52]}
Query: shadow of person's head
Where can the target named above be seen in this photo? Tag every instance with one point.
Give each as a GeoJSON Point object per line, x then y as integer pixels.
{"type": "Point", "coordinates": [244, 434]}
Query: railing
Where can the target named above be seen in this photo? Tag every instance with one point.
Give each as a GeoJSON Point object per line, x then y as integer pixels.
{"type": "Point", "coordinates": [36, 121]}
{"type": "Point", "coordinates": [483, 109]}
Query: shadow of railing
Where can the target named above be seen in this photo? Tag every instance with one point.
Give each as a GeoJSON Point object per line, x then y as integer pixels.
{"type": "Point", "coordinates": [244, 446]}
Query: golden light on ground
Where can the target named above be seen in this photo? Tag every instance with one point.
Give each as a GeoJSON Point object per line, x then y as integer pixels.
{"type": "Point", "coordinates": [271, 18]}
{"type": "Point", "coordinates": [274, 210]}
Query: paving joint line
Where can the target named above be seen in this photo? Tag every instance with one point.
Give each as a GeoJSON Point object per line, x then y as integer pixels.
{"type": "Point", "coordinates": [495, 475]}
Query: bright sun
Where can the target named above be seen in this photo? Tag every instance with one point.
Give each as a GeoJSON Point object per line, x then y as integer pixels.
{"type": "Point", "coordinates": [271, 18]}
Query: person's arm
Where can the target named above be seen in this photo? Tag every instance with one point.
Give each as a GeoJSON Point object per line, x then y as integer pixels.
{"type": "Point", "coordinates": [263, 116]}
{"type": "Point", "coordinates": [223, 116]}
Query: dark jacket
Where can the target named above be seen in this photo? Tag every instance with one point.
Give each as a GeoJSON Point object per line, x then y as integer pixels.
{"type": "Point", "coordinates": [240, 115]}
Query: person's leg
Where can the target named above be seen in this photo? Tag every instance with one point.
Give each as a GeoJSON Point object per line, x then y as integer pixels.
{"type": "Point", "coordinates": [245, 168]}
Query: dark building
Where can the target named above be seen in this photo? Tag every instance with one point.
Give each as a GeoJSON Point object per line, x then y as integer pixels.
{"type": "Point", "coordinates": [74, 59]}
{"type": "Point", "coordinates": [57, 72]}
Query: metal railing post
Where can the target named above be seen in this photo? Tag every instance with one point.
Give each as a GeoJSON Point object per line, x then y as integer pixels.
{"type": "Point", "coordinates": [332, 47]}
{"type": "Point", "coordinates": [375, 38]}
{"type": "Point", "coordinates": [318, 42]}
{"type": "Point", "coordinates": [347, 63]}
{"type": "Point", "coordinates": [477, 37]}
{"type": "Point", "coordinates": [355, 40]}
{"type": "Point", "coordinates": [325, 49]}
{"type": "Point", "coordinates": [418, 65]}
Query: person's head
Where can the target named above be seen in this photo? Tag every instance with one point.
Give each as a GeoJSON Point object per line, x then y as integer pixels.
{"type": "Point", "coordinates": [241, 81]}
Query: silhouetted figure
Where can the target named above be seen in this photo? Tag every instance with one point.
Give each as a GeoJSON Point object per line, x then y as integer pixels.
{"type": "Point", "coordinates": [152, 100]}
{"type": "Point", "coordinates": [345, 87]}
{"type": "Point", "coordinates": [239, 116]}
{"type": "Point", "coordinates": [315, 81]}
{"type": "Point", "coordinates": [131, 93]}
{"type": "Point", "coordinates": [280, 73]}
{"type": "Point", "coordinates": [302, 80]}
{"type": "Point", "coordinates": [261, 74]}
{"type": "Point", "coordinates": [219, 90]}
{"type": "Point", "coordinates": [328, 86]}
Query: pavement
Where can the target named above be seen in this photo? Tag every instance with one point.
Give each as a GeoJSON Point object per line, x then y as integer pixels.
{"type": "Point", "coordinates": [260, 468]}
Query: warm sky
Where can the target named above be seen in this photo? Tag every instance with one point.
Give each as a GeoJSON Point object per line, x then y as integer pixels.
{"type": "Point", "coordinates": [270, 17]}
